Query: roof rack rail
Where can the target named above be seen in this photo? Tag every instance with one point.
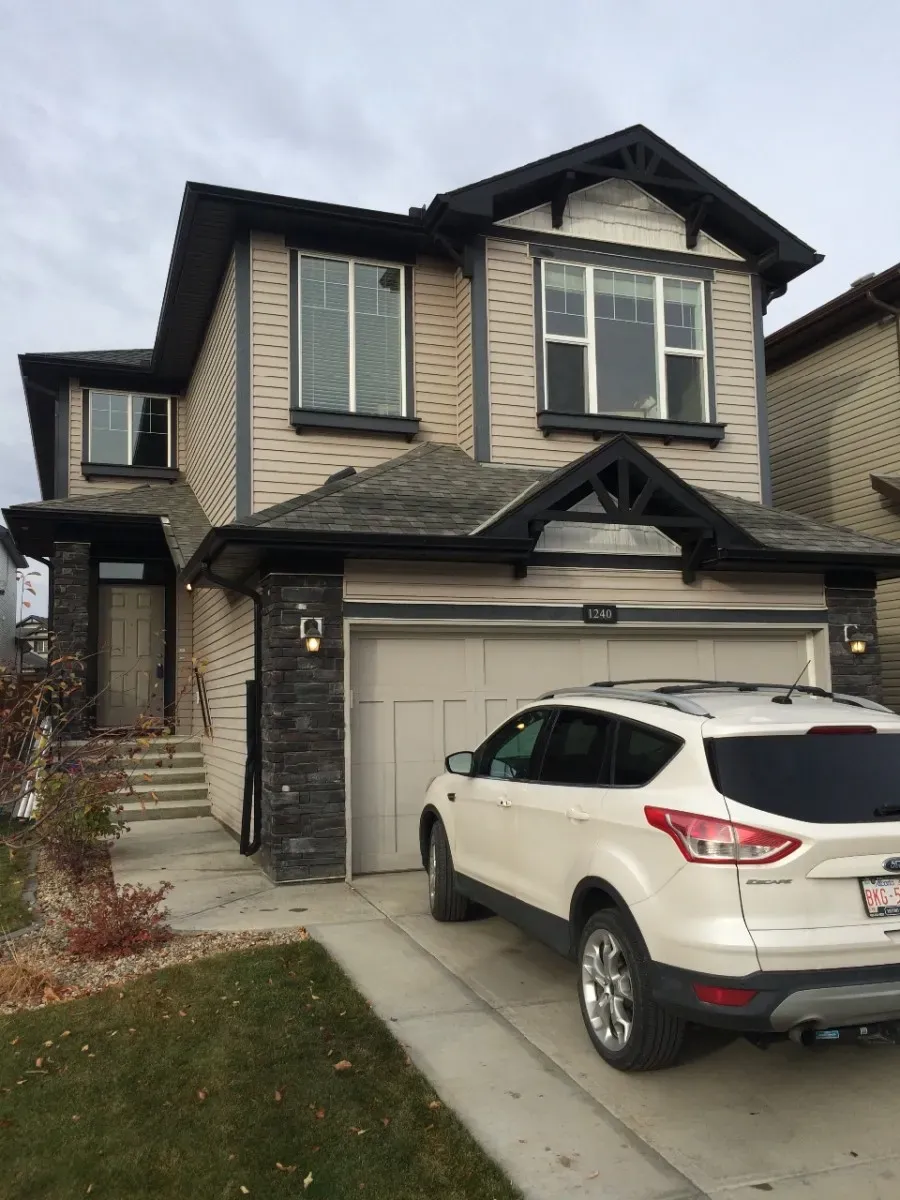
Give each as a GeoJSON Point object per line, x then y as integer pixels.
{"type": "Point", "coordinates": [680, 703]}
{"type": "Point", "coordinates": [672, 687]}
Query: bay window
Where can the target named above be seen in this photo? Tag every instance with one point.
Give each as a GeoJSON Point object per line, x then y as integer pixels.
{"type": "Point", "coordinates": [129, 430]}
{"type": "Point", "coordinates": [624, 343]}
{"type": "Point", "coordinates": [351, 344]}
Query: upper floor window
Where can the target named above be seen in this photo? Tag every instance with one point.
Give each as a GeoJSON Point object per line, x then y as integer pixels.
{"type": "Point", "coordinates": [128, 430]}
{"type": "Point", "coordinates": [624, 343]}
{"type": "Point", "coordinates": [352, 338]}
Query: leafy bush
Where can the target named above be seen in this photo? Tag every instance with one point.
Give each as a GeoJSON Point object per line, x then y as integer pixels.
{"type": "Point", "coordinates": [118, 920]}
{"type": "Point", "coordinates": [79, 813]}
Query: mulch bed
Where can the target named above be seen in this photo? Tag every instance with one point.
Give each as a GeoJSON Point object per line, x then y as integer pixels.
{"type": "Point", "coordinates": [44, 945]}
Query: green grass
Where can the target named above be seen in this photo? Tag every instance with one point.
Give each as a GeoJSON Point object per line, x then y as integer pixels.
{"type": "Point", "coordinates": [240, 1028]}
{"type": "Point", "coordinates": [14, 912]}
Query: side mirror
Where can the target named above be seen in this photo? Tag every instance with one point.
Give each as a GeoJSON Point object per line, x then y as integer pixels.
{"type": "Point", "coordinates": [460, 763]}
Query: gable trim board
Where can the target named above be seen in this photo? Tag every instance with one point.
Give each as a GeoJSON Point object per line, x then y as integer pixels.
{"type": "Point", "coordinates": [61, 443]}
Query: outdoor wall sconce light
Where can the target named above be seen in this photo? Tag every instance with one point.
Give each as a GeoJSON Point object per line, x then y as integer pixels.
{"type": "Point", "coordinates": [855, 640]}
{"type": "Point", "coordinates": [311, 632]}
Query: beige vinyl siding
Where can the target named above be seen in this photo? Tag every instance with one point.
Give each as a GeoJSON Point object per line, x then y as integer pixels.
{"type": "Point", "coordinates": [473, 583]}
{"type": "Point", "coordinates": [834, 418]}
{"type": "Point", "coordinates": [733, 466]}
{"type": "Point", "coordinates": [465, 422]}
{"type": "Point", "coordinates": [619, 211]}
{"type": "Point", "coordinates": [223, 648]}
{"type": "Point", "coordinates": [211, 411]}
{"type": "Point", "coordinates": [285, 463]}
{"type": "Point", "coordinates": [78, 485]}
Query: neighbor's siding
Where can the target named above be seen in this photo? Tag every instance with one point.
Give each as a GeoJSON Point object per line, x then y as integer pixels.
{"type": "Point", "coordinates": [223, 649]}
{"type": "Point", "coordinates": [286, 463]}
{"type": "Point", "coordinates": [834, 418]}
{"type": "Point", "coordinates": [78, 485]}
{"type": "Point", "coordinates": [211, 412]}
{"type": "Point", "coordinates": [733, 466]}
{"type": "Point", "coordinates": [471, 583]}
{"type": "Point", "coordinates": [8, 605]}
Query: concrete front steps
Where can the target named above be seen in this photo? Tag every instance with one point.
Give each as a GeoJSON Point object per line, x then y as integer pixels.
{"type": "Point", "coordinates": [167, 779]}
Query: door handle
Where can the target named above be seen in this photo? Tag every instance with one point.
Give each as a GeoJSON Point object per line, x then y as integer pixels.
{"type": "Point", "coordinates": [504, 803]}
{"type": "Point", "coordinates": [577, 814]}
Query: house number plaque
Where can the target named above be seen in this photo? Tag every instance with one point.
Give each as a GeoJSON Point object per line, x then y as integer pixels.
{"type": "Point", "coordinates": [599, 614]}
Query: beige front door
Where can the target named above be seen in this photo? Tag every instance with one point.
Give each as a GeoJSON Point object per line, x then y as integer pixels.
{"type": "Point", "coordinates": [130, 669]}
{"type": "Point", "coordinates": [417, 697]}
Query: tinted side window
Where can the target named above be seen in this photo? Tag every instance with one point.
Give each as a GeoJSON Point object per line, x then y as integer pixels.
{"type": "Point", "coordinates": [641, 753]}
{"type": "Point", "coordinates": [507, 754]}
{"type": "Point", "coordinates": [577, 749]}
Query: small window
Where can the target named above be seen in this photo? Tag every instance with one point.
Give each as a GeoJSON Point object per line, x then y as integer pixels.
{"type": "Point", "coordinates": [121, 570]}
{"type": "Point", "coordinates": [508, 753]}
{"type": "Point", "coordinates": [129, 431]}
{"type": "Point", "coordinates": [624, 343]}
{"type": "Point", "coordinates": [641, 753]}
{"type": "Point", "coordinates": [351, 337]}
{"type": "Point", "coordinates": [577, 747]}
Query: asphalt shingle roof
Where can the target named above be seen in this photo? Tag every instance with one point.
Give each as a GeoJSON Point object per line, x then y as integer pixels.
{"type": "Point", "coordinates": [440, 490]}
{"type": "Point", "coordinates": [185, 525]}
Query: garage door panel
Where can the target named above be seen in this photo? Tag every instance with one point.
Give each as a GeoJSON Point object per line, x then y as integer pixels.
{"type": "Point", "coordinates": [760, 660]}
{"type": "Point", "coordinates": [417, 698]}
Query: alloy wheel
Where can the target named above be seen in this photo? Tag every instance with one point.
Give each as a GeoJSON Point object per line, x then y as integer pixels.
{"type": "Point", "coordinates": [607, 989]}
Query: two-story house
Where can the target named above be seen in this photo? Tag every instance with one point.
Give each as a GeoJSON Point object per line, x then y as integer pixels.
{"type": "Point", "coordinates": [382, 476]}
{"type": "Point", "coordinates": [834, 412]}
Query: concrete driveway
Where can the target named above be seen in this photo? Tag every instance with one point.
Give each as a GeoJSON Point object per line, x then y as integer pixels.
{"type": "Point", "coordinates": [492, 1018]}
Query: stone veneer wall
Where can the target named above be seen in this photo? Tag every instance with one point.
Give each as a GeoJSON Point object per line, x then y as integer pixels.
{"type": "Point", "coordinates": [854, 674]}
{"type": "Point", "coordinates": [71, 629]}
{"type": "Point", "coordinates": [303, 792]}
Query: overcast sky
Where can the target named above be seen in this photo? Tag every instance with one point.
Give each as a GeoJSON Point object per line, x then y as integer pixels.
{"type": "Point", "coordinates": [108, 106]}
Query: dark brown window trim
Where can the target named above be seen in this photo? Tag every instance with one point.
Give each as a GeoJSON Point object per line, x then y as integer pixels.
{"type": "Point", "coordinates": [306, 418]}
{"type": "Point", "coordinates": [117, 471]}
{"type": "Point", "coordinates": [599, 426]}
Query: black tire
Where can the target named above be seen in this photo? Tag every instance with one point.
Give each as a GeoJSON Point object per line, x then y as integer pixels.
{"type": "Point", "coordinates": [446, 903]}
{"type": "Point", "coordinates": [656, 1036]}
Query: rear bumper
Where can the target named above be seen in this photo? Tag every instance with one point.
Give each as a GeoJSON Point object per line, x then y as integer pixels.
{"type": "Point", "coordinates": [785, 1000]}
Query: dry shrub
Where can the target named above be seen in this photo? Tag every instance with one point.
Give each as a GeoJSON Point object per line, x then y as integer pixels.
{"type": "Point", "coordinates": [115, 920]}
{"type": "Point", "coordinates": [22, 981]}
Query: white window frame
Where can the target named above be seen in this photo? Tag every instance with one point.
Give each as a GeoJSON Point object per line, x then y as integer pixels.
{"type": "Point", "coordinates": [659, 326]}
{"type": "Point", "coordinates": [131, 396]}
{"type": "Point", "coordinates": [352, 262]}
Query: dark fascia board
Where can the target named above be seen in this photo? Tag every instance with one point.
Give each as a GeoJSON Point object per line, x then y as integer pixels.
{"type": "Point", "coordinates": [885, 566]}
{"type": "Point", "coordinates": [8, 542]}
{"type": "Point", "coordinates": [845, 314]}
{"type": "Point", "coordinates": [730, 218]}
{"type": "Point", "coordinates": [448, 548]}
{"type": "Point", "coordinates": [38, 529]}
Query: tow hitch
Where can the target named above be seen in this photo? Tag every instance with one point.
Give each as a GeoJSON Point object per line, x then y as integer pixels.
{"type": "Point", "coordinates": [885, 1033]}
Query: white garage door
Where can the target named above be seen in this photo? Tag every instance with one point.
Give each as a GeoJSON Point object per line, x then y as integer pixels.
{"type": "Point", "coordinates": [417, 697]}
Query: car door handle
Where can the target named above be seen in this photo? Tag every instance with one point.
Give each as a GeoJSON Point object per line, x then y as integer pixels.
{"type": "Point", "coordinates": [577, 814]}
{"type": "Point", "coordinates": [504, 803]}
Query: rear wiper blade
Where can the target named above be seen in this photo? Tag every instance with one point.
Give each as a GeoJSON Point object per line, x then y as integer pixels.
{"type": "Point", "coordinates": [888, 810]}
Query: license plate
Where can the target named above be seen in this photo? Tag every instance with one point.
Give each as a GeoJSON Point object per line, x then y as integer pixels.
{"type": "Point", "coordinates": [882, 896]}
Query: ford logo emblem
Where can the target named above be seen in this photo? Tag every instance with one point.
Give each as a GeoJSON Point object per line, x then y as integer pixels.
{"type": "Point", "coordinates": [892, 864]}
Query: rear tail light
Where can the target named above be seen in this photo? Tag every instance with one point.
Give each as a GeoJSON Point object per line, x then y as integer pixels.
{"type": "Point", "coordinates": [729, 997]}
{"type": "Point", "coordinates": [711, 840]}
{"type": "Point", "coordinates": [842, 729]}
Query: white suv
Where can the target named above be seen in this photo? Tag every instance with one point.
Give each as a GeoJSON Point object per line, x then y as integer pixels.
{"type": "Point", "coordinates": [719, 854]}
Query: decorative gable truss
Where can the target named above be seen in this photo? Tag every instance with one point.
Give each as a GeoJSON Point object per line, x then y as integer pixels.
{"type": "Point", "coordinates": [631, 487]}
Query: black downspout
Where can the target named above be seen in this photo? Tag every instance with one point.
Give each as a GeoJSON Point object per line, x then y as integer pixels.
{"type": "Point", "coordinates": [251, 815]}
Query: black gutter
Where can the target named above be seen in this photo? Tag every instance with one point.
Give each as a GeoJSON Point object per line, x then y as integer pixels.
{"type": "Point", "coordinates": [252, 807]}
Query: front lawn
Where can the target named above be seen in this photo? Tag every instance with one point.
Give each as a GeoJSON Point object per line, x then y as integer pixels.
{"type": "Point", "coordinates": [219, 1079]}
{"type": "Point", "coordinates": [14, 912]}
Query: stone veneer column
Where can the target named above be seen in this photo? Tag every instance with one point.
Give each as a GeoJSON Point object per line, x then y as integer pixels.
{"type": "Point", "coordinates": [70, 632]}
{"type": "Point", "coordinates": [303, 792]}
{"type": "Point", "coordinates": [854, 674]}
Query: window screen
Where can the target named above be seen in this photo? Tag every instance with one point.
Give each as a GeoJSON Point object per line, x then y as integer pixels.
{"type": "Point", "coordinates": [641, 753]}
{"type": "Point", "coordinates": [576, 750]}
{"type": "Point", "coordinates": [508, 753]}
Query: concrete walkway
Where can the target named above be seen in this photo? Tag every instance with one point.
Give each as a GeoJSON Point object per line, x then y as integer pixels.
{"type": "Point", "coordinates": [491, 1018]}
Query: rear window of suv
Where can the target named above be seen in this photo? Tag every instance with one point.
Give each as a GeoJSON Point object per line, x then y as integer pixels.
{"type": "Point", "coordinates": [825, 778]}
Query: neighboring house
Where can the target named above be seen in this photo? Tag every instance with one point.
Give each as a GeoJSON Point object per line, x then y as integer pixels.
{"type": "Point", "coordinates": [407, 470]}
{"type": "Point", "coordinates": [33, 641]}
{"type": "Point", "coordinates": [834, 417]}
{"type": "Point", "coordinates": [11, 561]}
